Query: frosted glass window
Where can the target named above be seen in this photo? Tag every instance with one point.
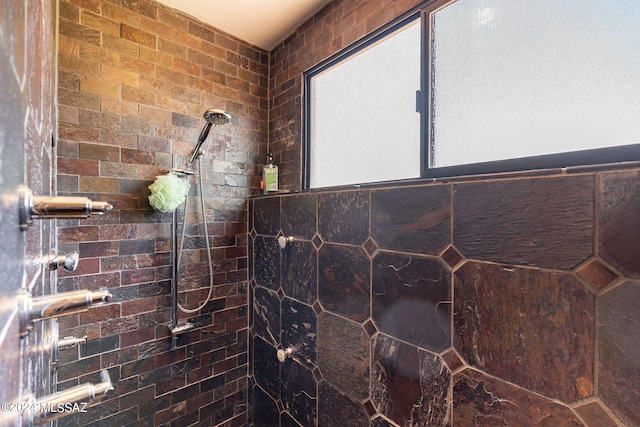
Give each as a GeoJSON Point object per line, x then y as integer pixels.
{"type": "Point", "coordinates": [519, 78]}
{"type": "Point", "coordinates": [363, 124]}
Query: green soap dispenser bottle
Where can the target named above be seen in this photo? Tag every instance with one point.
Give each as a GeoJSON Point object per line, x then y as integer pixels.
{"type": "Point", "coordinates": [270, 175]}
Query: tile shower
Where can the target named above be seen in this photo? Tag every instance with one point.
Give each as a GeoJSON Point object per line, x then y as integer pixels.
{"type": "Point", "coordinates": [497, 301]}
{"type": "Point", "coordinates": [506, 301]}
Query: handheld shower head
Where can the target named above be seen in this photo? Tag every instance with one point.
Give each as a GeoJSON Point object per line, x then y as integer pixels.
{"type": "Point", "coordinates": [217, 117]}
{"type": "Point", "coordinates": [213, 116]}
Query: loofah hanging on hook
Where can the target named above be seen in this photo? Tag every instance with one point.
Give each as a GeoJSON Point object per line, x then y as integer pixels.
{"type": "Point", "coordinates": [168, 192]}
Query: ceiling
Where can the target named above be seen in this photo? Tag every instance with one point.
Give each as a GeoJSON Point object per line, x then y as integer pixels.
{"type": "Point", "coordinates": [263, 23]}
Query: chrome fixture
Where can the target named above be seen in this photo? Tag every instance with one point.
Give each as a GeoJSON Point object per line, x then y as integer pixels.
{"type": "Point", "coordinates": [213, 116]}
{"type": "Point", "coordinates": [283, 241]}
{"type": "Point", "coordinates": [177, 330]}
{"type": "Point", "coordinates": [68, 401]}
{"type": "Point", "coordinates": [69, 261]}
{"type": "Point", "coordinates": [56, 305]}
{"type": "Point", "coordinates": [284, 354]}
{"type": "Point", "coordinates": [56, 345]}
{"type": "Point", "coordinates": [70, 342]}
{"type": "Point", "coordinates": [49, 207]}
{"type": "Point", "coordinates": [181, 329]}
{"type": "Point", "coordinates": [66, 343]}
{"type": "Point", "coordinates": [181, 172]}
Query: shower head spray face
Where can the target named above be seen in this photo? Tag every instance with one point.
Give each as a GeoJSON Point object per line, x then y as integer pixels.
{"type": "Point", "coordinates": [217, 117]}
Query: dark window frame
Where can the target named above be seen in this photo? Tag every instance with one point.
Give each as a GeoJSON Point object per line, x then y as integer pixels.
{"type": "Point", "coordinates": [423, 11]}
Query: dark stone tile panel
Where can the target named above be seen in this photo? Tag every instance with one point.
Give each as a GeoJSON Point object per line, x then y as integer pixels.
{"type": "Point", "coordinates": [595, 415]}
{"type": "Point", "coordinates": [619, 351]}
{"type": "Point", "coordinates": [344, 281]}
{"type": "Point", "coordinates": [344, 349]}
{"type": "Point", "coordinates": [300, 271]}
{"type": "Point", "coordinates": [265, 411]}
{"type": "Point", "coordinates": [412, 299]}
{"type": "Point", "coordinates": [619, 231]}
{"type": "Point", "coordinates": [287, 421]}
{"type": "Point", "coordinates": [413, 219]}
{"type": "Point", "coordinates": [544, 222]}
{"type": "Point", "coordinates": [545, 322]}
{"type": "Point", "coordinates": [266, 369]}
{"type": "Point", "coordinates": [480, 400]}
{"type": "Point", "coordinates": [338, 409]}
{"type": "Point", "coordinates": [299, 216]}
{"type": "Point", "coordinates": [299, 331]}
{"type": "Point", "coordinates": [408, 385]}
{"type": "Point", "coordinates": [298, 392]}
{"type": "Point", "coordinates": [266, 215]}
{"type": "Point", "coordinates": [266, 315]}
{"type": "Point", "coordinates": [266, 263]}
{"type": "Point", "coordinates": [343, 217]}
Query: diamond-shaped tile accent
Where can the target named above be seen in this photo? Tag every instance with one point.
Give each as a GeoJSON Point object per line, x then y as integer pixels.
{"type": "Point", "coordinates": [370, 327]}
{"type": "Point", "coordinates": [253, 233]}
{"type": "Point", "coordinates": [317, 308]}
{"type": "Point", "coordinates": [280, 405]}
{"type": "Point", "coordinates": [317, 374]}
{"type": "Point", "coordinates": [452, 360]}
{"type": "Point", "coordinates": [368, 406]}
{"type": "Point", "coordinates": [596, 273]}
{"type": "Point", "coordinates": [370, 246]}
{"type": "Point", "coordinates": [451, 256]}
{"type": "Point", "coordinates": [594, 415]}
{"type": "Point", "coordinates": [317, 241]}
{"type": "Point", "coordinates": [280, 294]}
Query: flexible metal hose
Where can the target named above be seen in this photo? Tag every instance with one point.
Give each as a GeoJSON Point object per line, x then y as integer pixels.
{"type": "Point", "coordinates": [208, 245]}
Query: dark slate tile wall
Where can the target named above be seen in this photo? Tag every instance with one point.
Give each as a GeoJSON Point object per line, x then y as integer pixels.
{"type": "Point", "coordinates": [397, 316]}
{"type": "Point", "coordinates": [516, 295]}
{"type": "Point", "coordinates": [27, 132]}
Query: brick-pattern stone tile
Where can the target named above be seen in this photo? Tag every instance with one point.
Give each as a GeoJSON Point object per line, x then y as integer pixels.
{"type": "Point", "coordinates": [134, 80]}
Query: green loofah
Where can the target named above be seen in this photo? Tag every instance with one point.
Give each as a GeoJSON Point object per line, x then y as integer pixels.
{"type": "Point", "coordinates": [168, 192]}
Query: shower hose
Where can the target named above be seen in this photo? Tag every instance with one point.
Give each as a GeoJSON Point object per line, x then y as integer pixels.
{"type": "Point", "coordinates": [208, 245]}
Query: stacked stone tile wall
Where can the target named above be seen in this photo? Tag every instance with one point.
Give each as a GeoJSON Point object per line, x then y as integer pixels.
{"type": "Point", "coordinates": [134, 80]}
